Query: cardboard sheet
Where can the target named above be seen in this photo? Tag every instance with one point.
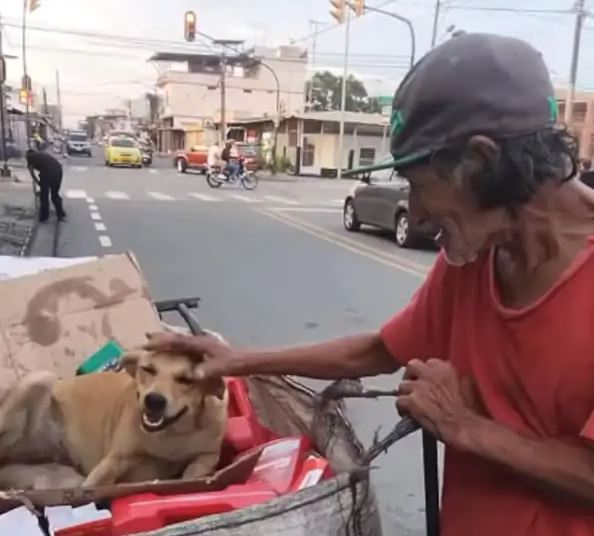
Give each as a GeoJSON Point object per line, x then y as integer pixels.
{"type": "Point", "coordinates": [57, 318]}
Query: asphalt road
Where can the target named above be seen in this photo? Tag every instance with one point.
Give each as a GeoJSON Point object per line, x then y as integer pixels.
{"type": "Point", "coordinates": [273, 267]}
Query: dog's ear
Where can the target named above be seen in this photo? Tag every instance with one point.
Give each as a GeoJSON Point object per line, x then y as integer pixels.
{"type": "Point", "coordinates": [215, 387]}
{"type": "Point", "coordinates": [129, 361]}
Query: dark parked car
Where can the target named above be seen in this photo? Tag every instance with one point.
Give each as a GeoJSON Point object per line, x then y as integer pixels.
{"type": "Point", "coordinates": [380, 199]}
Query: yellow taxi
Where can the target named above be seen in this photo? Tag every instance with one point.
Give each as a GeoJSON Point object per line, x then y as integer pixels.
{"type": "Point", "coordinates": [122, 151]}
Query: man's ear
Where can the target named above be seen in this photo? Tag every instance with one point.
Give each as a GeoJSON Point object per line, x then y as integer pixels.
{"type": "Point", "coordinates": [129, 361]}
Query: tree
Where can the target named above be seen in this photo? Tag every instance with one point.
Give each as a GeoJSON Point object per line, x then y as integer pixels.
{"type": "Point", "coordinates": [327, 90]}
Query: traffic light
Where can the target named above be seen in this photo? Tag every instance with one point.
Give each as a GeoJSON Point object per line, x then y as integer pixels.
{"type": "Point", "coordinates": [24, 96]}
{"type": "Point", "coordinates": [358, 7]}
{"type": "Point", "coordinates": [338, 10]}
{"type": "Point", "coordinates": [190, 25]}
{"type": "Point", "coordinates": [33, 5]}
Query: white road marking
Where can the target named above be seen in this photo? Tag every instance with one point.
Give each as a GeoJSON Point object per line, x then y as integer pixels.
{"type": "Point", "coordinates": [116, 195]}
{"type": "Point", "coordinates": [160, 196]}
{"type": "Point", "coordinates": [96, 216]}
{"type": "Point", "coordinates": [105, 241]}
{"type": "Point", "coordinates": [93, 207]}
{"type": "Point", "coordinates": [76, 194]}
{"type": "Point", "coordinates": [154, 171]}
{"type": "Point", "coordinates": [79, 168]}
{"type": "Point", "coordinates": [283, 200]}
{"type": "Point", "coordinates": [100, 226]}
{"type": "Point", "coordinates": [90, 200]}
{"type": "Point", "coordinates": [246, 198]}
{"type": "Point", "coordinates": [204, 197]}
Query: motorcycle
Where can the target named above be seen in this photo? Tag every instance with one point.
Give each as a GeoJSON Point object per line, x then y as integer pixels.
{"type": "Point", "coordinates": [215, 177]}
{"type": "Point", "coordinates": [147, 158]}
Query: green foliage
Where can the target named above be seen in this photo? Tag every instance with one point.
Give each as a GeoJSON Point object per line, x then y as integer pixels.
{"type": "Point", "coordinates": [327, 89]}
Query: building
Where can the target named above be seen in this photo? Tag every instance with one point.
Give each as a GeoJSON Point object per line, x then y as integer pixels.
{"type": "Point", "coordinates": [582, 121]}
{"type": "Point", "coordinates": [309, 141]}
{"type": "Point", "coordinates": [191, 96]}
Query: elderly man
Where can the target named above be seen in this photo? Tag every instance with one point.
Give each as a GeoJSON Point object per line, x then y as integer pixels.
{"type": "Point", "coordinates": [498, 343]}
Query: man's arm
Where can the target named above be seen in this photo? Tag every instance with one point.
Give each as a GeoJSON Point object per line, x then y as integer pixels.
{"type": "Point", "coordinates": [557, 467]}
{"type": "Point", "coordinates": [347, 357]}
{"type": "Point", "coordinates": [33, 176]}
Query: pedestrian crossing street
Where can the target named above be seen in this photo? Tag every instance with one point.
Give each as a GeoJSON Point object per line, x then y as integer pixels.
{"type": "Point", "coordinates": [221, 196]}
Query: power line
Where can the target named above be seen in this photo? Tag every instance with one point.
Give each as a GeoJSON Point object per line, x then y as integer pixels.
{"type": "Point", "coordinates": [462, 7]}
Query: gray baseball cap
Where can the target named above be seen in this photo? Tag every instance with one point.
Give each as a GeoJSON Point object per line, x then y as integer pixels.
{"type": "Point", "coordinates": [472, 84]}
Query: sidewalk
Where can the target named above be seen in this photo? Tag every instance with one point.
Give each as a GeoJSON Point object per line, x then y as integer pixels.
{"type": "Point", "coordinates": [18, 215]}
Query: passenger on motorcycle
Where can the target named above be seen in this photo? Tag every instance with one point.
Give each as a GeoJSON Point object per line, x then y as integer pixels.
{"type": "Point", "coordinates": [230, 157]}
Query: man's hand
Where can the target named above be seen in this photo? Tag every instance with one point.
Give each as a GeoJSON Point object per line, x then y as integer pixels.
{"type": "Point", "coordinates": [216, 353]}
{"type": "Point", "coordinates": [433, 395]}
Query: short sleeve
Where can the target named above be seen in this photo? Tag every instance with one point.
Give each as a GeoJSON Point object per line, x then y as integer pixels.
{"type": "Point", "coordinates": [421, 330]}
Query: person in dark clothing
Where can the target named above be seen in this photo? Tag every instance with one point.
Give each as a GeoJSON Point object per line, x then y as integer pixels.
{"type": "Point", "coordinates": [49, 182]}
{"type": "Point", "coordinates": [587, 174]}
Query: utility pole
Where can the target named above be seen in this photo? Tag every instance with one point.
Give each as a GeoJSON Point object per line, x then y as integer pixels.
{"type": "Point", "coordinates": [580, 15]}
{"type": "Point", "coordinates": [232, 44]}
{"type": "Point", "coordinates": [313, 24]}
{"type": "Point", "coordinates": [59, 100]}
{"type": "Point", "coordinates": [435, 22]}
{"type": "Point", "coordinates": [343, 93]}
{"type": "Point", "coordinates": [223, 96]}
{"type": "Point", "coordinates": [4, 171]}
{"type": "Point", "coordinates": [45, 108]}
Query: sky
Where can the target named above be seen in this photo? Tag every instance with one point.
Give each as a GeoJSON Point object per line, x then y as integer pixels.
{"type": "Point", "coordinates": [101, 47]}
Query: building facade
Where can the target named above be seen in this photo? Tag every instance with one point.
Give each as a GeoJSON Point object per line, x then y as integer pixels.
{"type": "Point", "coordinates": [582, 124]}
{"type": "Point", "coordinates": [310, 141]}
{"type": "Point", "coordinates": [191, 96]}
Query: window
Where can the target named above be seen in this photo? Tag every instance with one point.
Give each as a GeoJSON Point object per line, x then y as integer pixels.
{"type": "Point", "coordinates": [309, 150]}
{"type": "Point", "coordinates": [366, 156]}
{"type": "Point", "coordinates": [312, 127]}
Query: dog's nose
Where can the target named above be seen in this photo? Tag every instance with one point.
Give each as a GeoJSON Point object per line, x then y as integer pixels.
{"type": "Point", "coordinates": [155, 402]}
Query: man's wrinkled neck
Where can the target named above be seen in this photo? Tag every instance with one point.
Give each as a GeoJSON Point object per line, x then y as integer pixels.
{"type": "Point", "coordinates": [555, 224]}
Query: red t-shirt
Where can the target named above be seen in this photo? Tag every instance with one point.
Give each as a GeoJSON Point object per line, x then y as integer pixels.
{"type": "Point", "coordinates": [533, 370]}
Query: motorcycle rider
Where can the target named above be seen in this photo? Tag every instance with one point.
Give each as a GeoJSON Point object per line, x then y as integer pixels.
{"type": "Point", "coordinates": [230, 157]}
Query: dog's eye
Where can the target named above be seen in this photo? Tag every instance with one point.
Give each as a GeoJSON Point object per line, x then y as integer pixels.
{"type": "Point", "coordinates": [184, 380]}
{"type": "Point", "coordinates": [149, 370]}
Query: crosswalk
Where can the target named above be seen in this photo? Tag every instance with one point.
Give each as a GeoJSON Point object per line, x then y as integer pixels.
{"type": "Point", "coordinates": [220, 197]}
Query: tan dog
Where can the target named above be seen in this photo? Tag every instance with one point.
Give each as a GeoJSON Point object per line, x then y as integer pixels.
{"type": "Point", "coordinates": [156, 422]}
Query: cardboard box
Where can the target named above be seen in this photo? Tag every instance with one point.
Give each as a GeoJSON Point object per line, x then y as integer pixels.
{"type": "Point", "coordinates": [54, 319]}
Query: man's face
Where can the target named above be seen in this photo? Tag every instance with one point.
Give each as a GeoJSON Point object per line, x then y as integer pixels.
{"type": "Point", "coordinates": [465, 229]}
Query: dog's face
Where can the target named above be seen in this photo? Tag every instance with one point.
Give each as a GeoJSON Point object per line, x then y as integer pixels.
{"type": "Point", "coordinates": [169, 393]}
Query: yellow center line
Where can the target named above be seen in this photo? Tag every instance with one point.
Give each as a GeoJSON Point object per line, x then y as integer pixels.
{"type": "Point", "coordinates": [394, 257]}
{"type": "Point", "coordinates": [386, 259]}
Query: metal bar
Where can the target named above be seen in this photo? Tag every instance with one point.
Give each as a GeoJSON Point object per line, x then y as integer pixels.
{"type": "Point", "coordinates": [431, 478]}
{"type": "Point", "coordinates": [165, 306]}
{"type": "Point", "coordinates": [190, 319]}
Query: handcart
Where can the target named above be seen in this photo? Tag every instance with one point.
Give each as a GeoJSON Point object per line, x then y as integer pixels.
{"type": "Point", "coordinates": [343, 505]}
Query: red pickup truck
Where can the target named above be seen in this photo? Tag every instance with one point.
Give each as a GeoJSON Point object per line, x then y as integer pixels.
{"type": "Point", "coordinates": [197, 158]}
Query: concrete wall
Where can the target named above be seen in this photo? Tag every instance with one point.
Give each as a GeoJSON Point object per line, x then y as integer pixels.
{"type": "Point", "coordinates": [198, 94]}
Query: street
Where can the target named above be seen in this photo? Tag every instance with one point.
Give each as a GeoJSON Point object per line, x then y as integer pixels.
{"type": "Point", "coordinates": [273, 267]}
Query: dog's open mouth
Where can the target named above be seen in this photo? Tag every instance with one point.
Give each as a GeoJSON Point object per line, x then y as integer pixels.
{"type": "Point", "coordinates": [158, 422]}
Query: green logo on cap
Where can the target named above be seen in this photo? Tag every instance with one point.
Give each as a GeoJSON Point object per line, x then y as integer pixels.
{"type": "Point", "coordinates": [553, 108]}
{"type": "Point", "coordinates": [396, 121]}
